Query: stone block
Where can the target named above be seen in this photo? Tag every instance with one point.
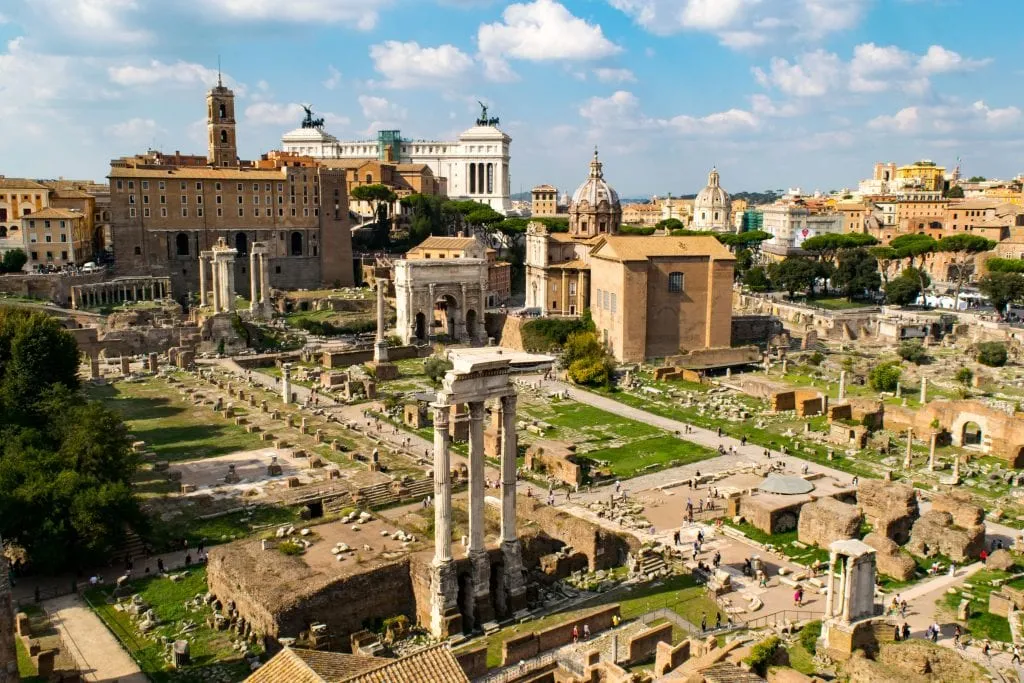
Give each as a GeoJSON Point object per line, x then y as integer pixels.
{"type": "Point", "coordinates": [889, 559]}
{"type": "Point", "coordinates": [889, 507]}
{"type": "Point", "coordinates": [935, 533]}
{"type": "Point", "coordinates": [826, 520]}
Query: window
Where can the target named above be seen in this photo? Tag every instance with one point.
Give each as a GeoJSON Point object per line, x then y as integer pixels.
{"type": "Point", "coordinates": [241, 212]}
{"type": "Point", "coordinates": [184, 199]}
{"type": "Point", "coordinates": [199, 185]}
{"type": "Point", "coordinates": [613, 303]}
{"type": "Point", "coordinates": [220, 212]}
{"type": "Point", "coordinates": [63, 237]}
{"type": "Point", "coordinates": [145, 184]}
{"type": "Point", "coordinates": [184, 212]}
{"type": "Point", "coordinates": [145, 212]}
{"type": "Point", "coordinates": [199, 199]}
{"type": "Point", "coordinates": [131, 212]}
{"type": "Point", "coordinates": [240, 199]}
{"type": "Point", "coordinates": [120, 186]}
{"type": "Point", "coordinates": [49, 238]}
{"type": "Point", "coordinates": [218, 199]}
{"type": "Point", "coordinates": [163, 185]}
{"type": "Point", "coordinates": [183, 185]}
{"type": "Point", "coordinates": [131, 184]}
{"type": "Point", "coordinates": [163, 212]}
{"type": "Point", "coordinates": [64, 255]}
{"type": "Point", "coordinates": [35, 255]}
{"type": "Point", "coordinates": [163, 199]}
{"type": "Point", "coordinates": [239, 187]}
{"type": "Point", "coordinates": [46, 224]}
{"type": "Point", "coordinates": [224, 137]}
{"type": "Point", "coordinates": [675, 282]}
{"type": "Point", "coordinates": [296, 244]}
{"type": "Point", "coordinates": [145, 199]}
{"type": "Point", "coordinates": [572, 289]}
{"type": "Point", "coordinates": [199, 212]}
{"type": "Point", "coordinates": [181, 244]}
{"type": "Point", "coordinates": [217, 187]}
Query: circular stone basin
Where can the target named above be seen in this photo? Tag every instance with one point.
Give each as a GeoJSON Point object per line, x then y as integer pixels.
{"type": "Point", "coordinates": [786, 485]}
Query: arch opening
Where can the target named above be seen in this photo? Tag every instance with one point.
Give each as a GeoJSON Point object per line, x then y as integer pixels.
{"type": "Point", "coordinates": [971, 434]}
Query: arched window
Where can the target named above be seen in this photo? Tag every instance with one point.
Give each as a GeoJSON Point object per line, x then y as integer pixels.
{"type": "Point", "coordinates": [242, 243]}
{"type": "Point", "coordinates": [224, 136]}
{"type": "Point", "coordinates": [716, 215]}
{"type": "Point", "coordinates": [703, 216]}
{"type": "Point", "coordinates": [181, 244]}
{"type": "Point", "coordinates": [675, 282]}
{"type": "Point", "coordinates": [369, 178]}
{"type": "Point", "coordinates": [296, 244]}
{"type": "Point", "coordinates": [223, 111]}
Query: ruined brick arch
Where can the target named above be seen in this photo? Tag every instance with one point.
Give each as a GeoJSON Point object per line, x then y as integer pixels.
{"type": "Point", "coordinates": [785, 521]}
{"type": "Point", "coordinates": [1018, 458]}
{"type": "Point", "coordinates": [962, 421]}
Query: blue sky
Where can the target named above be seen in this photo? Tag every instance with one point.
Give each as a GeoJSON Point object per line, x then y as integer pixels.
{"type": "Point", "coordinates": [776, 93]}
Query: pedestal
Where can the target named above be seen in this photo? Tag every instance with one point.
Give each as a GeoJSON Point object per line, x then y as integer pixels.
{"type": "Point", "coordinates": [483, 610]}
{"type": "Point", "coordinates": [445, 619]}
{"type": "Point", "coordinates": [515, 584]}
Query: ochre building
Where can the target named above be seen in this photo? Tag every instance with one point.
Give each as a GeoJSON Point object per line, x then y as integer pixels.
{"type": "Point", "coordinates": [166, 210]}
{"type": "Point", "coordinates": [654, 297]}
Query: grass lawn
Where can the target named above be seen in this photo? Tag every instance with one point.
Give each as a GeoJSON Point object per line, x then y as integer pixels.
{"type": "Point", "coordinates": [682, 594]}
{"type": "Point", "coordinates": [650, 454]}
{"type": "Point", "coordinates": [800, 659]}
{"type": "Point", "coordinates": [221, 529]}
{"type": "Point", "coordinates": [208, 647]}
{"type": "Point", "coordinates": [981, 624]}
{"type": "Point", "coordinates": [837, 303]}
{"type": "Point", "coordinates": [172, 428]}
{"type": "Point", "coordinates": [783, 542]}
{"type": "Point", "coordinates": [26, 669]}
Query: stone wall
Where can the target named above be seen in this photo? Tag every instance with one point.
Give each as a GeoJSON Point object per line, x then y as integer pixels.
{"type": "Point", "coordinates": [1002, 434]}
{"type": "Point", "coordinates": [767, 513]}
{"type": "Point", "coordinates": [53, 287]}
{"type": "Point", "coordinates": [889, 507]}
{"type": "Point", "coordinates": [473, 661]}
{"type": "Point", "coordinates": [555, 459]}
{"type": "Point", "coordinates": [605, 549]}
{"type": "Point", "coordinates": [532, 644]}
{"type": "Point", "coordinates": [935, 533]}
{"type": "Point", "coordinates": [754, 329]}
{"type": "Point", "coordinates": [889, 559]}
{"type": "Point", "coordinates": [643, 645]}
{"type": "Point", "coordinates": [512, 333]}
{"type": "Point", "coordinates": [958, 504]}
{"type": "Point", "coordinates": [667, 657]}
{"type": "Point", "coordinates": [826, 520]}
{"type": "Point", "coordinates": [719, 357]}
{"type": "Point", "coordinates": [806, 402]}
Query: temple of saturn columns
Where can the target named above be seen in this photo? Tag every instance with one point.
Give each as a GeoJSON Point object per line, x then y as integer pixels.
{"type": "Point", "coordinates": [451, 291]}
{"type": "Point", "coordinates": [221, 260]}
{"type": "Point", "coordinates": [259, 285]}
{"type": "Point", "coordinates": [475, 379]}
{"type": "Point", "coordinates": [847, 623]}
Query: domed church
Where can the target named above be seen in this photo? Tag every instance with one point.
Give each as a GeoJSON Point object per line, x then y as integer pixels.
{"type": "Point", "coordinates": [712, 206]}
{"type": "Point", "coordinates": [558, 264]}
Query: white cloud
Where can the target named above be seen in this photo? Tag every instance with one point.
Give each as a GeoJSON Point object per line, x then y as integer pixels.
{"type": "Point", "coordinates": [940, 60]}
{"type": "Point", "coordinates": [620, 112]}
{"type": "Point", "coordinates": [742, 24]}
{"type": "Point", "coordinates": [407, 65]}
{"type": "Point", "coordinates": [948, 118]}
{"type": "Point", "coordinates": [362, 14]}
{"type": "Point", "coordinates": [93, 21]}
{"type": "Point", "coordinates": [333, 77]}
{"type": "Point", "coordinates": [539, 31]}
{"type": "Point", "coordinates": [872, 69]}
{"type": "Point", "coordinates": [134, 130]}
{"type": "Point", "coordinates": [765, 106]}
{"type": "Point", "coordinates": [156, 72]}
{"type": "Point", "coordinates": [274, 113]}
{"type": "Point", "coordinates": [380, 108]}
{"type": "Point", "coordinates": [614, 75]}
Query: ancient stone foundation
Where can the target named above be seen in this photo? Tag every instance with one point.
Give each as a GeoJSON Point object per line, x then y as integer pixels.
{"type": "Point", "coordinates": [826, 520]}
{"type": "Point", "coordinates": [889, 507]}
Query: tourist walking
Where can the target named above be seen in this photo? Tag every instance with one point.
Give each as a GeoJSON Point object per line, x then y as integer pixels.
{"type": "Point", "coordinates": [703, 622]}
{"type": "Point", "coordinates": [575, 634]}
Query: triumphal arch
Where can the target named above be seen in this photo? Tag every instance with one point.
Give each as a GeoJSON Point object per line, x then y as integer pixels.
{"type": "Point", "coordinates": [477, 376]}
{"type": "Point", "coordinates": [441, 297]}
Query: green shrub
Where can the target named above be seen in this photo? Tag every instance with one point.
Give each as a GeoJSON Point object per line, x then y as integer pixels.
{"type": "Point", "coordinates": [761, 654]}
{"type": "Point", "coordinates": [885, 377]}
{"type": "Point", "coordinates": [757, 279]}
{"type": "Point", "coordinates": [636, 230]}
{"type": "Point", "coordinates": [548, 334]}
{"type": "Point", "coordinates": [816, 358]}
{"type": "Point", "coordinates": [291, 548]}
{"type": "Point", "coordinates": [992, 354]}
{"type": "Point", "coordinates": [809, 635]}
{"type": "Point", "coordinates": [964, 376]}
{"type": "Point", "coordinates": [435, 368]}
{"type": "Point", "coordinates": [913, 352]}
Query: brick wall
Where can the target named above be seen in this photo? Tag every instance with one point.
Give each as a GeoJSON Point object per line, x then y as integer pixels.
{"type": "Point", "coordinates": [529, 645]}
{"type": "Point", "coordinates": [473, 661]}
{"type": "Point", "coordinates": [667, 658]}
{"type": "Point", "coordinates": [643, 645]}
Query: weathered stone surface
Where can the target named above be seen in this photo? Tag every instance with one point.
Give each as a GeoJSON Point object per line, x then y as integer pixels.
{"type": "Point", "coordinates": [1000, 559]}
{"type": "Point", "coordinates": [935, 533]}
{"type": "Point", "coordinates": [889, 559]}
{"type": "Point", "coordinates": [826, 520]}
{"type": "Point", "coordinates": [889, 507]}
{"type": "Point", "coordinates": [958, 504]}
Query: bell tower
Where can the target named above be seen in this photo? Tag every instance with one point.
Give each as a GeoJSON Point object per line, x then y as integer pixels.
{"type": "Point", "coordinates": [220, 125]}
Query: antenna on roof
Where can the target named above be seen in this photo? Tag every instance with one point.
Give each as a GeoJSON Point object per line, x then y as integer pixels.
{"type": "Point", "coordinates": [220, 82]}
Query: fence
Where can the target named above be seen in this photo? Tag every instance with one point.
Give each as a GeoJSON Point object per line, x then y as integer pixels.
{"type": "Point", "coordinates": [791, 615]}
{"type": "Point", "coordinates": [125, 638]}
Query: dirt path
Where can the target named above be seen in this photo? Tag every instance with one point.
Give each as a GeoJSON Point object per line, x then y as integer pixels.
{"type": "Point", "coordinates": [99, 655]}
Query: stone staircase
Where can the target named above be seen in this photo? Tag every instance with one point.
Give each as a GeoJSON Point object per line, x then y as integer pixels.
{"type": "Point", "coordinates": [132, 547]}
{"type": "Point", "coordinates": [380, 495]}
{"type": "Point", "coordinates": [650, 563]}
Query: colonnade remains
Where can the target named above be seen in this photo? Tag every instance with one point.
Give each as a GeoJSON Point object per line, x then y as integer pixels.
{"type": "Point", "coordinates": [474, 380]}
{"type": "Point", "coordinates": [120, 290]}
{"type": "Point", "coordinates": [221, 259]}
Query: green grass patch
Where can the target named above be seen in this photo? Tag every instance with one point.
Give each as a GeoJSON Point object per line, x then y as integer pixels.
{"type": "Point", "coordinates": [172, 428]}
{"type": "Point", "coordinates": [649, 455]}
{"type": "Point", "coordinates": [783, 542]}
{"type": "Point", "coordinates": [981, 624]}
{"type": "Point", "coordinates": [222, 529]}
{"type": "Point", "coordinates": [209, 648]}
{"type": "Point", "coordinates": [26, 668]}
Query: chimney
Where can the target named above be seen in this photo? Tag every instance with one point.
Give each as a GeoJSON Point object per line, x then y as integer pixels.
{"type": "Point", "coordinates": [460, 233]}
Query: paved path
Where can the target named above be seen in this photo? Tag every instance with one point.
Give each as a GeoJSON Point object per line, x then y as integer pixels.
{"type": "Point", "coordinates": [100, 657]}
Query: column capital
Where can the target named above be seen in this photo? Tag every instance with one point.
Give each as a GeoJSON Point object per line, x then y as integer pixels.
{"type": "Point", "coordinates": [442, 414]}
{"type": "Point", "coordinates": [476, 410]}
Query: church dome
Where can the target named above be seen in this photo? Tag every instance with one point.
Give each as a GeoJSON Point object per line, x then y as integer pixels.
{"type": "Point", "coordinates": [712, 196]}
{"type": "Point", "coordinates": [712, 206]}
{"type": "Point", "coordinates": [595, 189]}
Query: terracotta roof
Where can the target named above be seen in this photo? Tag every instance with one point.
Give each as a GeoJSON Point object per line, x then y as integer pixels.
{"type": "Point", "coordinates": [445, 243]}
{"type": "Point", "coordinates": [413, 167]}
{"type": "Point", "coordinates": [71, 193]}
{"type": "Point", "coordinates": [187, 172]}
{"type": "Point", "coordinates": [20, 184]}
{"type": "Point", "coordinates": [434, 664]}
{"type": "Point", "coordinates": [50, 212]}
{"type": "Point", "coordinates": [724, 672]}
{"type": "Point", "coordinates": [642, 248]}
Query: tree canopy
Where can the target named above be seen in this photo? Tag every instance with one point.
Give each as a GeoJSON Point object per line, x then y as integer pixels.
{"type": "Point", "coordinates": [65, 463]}
{"type": "Point", "coordinates": [1002, 289]}
{"type": "Point", "coordinates": [828, 245]}
{"type": "Point", "coordinates": [857, 273]}
{"type": "Point", "coordinates": [961, 249]}
{"type": "Point", "coordinates": [797, 274]}
{"type": "Point", "coordinates": [1005, 265]}
{"type": "Point", "coordinates": [13, 261]}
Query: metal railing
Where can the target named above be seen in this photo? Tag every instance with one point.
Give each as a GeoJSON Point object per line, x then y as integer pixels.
{"type": "Point", "coordinates": [781, 615]}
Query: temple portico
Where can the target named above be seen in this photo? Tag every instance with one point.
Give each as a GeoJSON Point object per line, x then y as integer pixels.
{"type": "Point", "coordinates": [221, 263]}
{"type": "Point", "coordinates": [475, 379]}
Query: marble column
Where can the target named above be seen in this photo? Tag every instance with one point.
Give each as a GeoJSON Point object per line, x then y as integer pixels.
{"type": "Point", "coordinates": [202, 281]}
{"type": "Point", "coordinates": [830, 585]}
{"type": "Point", "coordinates": [380, 347]}
{"type": "Point", "coordinates": [286, 383]}
{"type": "Point", "coordinates": [254, 300]}
{"type": "Point", "coordinates": [847, 587]}
{"type": "Point", "coordinates": [445, 619]}
{"type": "Point", "coordinates": [924, 390]}
{"type": "Point", "coordinates": [229, 283]}
{"type": "Point", "coordinates": [931, 451]}
{"type": "Point", "coordinates": [483, 612]}
{"type": "Point", "coordinates": [515, 586]}
{"type": "Point", "coordinates": [909, 459]}
{"type": "Point", "coordinates": [264, 284]}
{"type": "Point", "coordinates": [215, 283]}
{"type": "Point", "coordinates": [842, 384]}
